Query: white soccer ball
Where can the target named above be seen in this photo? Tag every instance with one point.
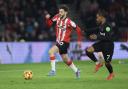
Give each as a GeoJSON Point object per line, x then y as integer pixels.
{"type": "Point", "coordinates": [28, 74]}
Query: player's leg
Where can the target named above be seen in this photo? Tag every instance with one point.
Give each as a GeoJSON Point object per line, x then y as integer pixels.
{"type": "Point", "coordinates": [90, 53]}
{"type": "Point", "coordinates": [108, 53]}
{"type": "Point", "coordinates": [63, 50]}
{"type": "Point", "coordinates": [100, 57]}
{"type": "Point", "coordinates": [69, 62]}
{"type": "Point", "coordinates": [108, 65]}
{"type": "Point", "coordinates": [52, 52]}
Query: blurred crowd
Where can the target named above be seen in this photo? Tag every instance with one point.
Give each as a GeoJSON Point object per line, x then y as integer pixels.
{"type": "Point", "coordinates": [24, 20]}
{"type": "Point", "coordinates": [116, 10]}
{"type": "Point", "coordinates": [116, 13]}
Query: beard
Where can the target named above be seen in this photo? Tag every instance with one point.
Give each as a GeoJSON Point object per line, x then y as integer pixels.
{"type": "Point", "coordinates": [62, 16]}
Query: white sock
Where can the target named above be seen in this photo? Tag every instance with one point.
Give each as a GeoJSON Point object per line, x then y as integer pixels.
{"type": "Point", "coordinates": [53, 65]}
{"type": "Point", "coordinates": [97, 62]}
{"type": "Point", "coordinates": [73, 67]}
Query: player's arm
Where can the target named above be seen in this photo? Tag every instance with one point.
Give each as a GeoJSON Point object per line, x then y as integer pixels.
{"type": "Point", "coordinates": [79, 32]}
{"type": "Point", "coordinates": [106, 35]}
{"type": "Point", "coordinates": [49, 21]}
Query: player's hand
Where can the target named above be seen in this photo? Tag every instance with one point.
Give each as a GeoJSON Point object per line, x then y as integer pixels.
{"type": "Point", "coordinates": [47, 16]}
{"type": "Point", "coordinates": [93, 36]}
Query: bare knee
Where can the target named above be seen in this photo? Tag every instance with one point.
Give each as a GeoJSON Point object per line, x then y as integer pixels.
{"type": "Point", "coordinates": [51, 52]}
{"type": "Point", "coordinates": [90, 49]}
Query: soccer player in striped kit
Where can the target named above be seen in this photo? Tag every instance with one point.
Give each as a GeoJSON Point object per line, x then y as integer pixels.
{"type": "Point", "coordinates": [64, 27]}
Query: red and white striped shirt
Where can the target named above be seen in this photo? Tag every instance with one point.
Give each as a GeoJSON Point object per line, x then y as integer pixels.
{"type": "Point", "coordinates": [64, 28]}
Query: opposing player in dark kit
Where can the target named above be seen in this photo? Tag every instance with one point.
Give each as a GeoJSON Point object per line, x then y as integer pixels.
{"type": "Point", "coordinates": [104, 44]}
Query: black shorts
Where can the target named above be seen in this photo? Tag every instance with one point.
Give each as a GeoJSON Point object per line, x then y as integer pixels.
{"type": "Point", "coordinates": [63, 47]}
{"type": "Point", "coordinates": [106, 48]}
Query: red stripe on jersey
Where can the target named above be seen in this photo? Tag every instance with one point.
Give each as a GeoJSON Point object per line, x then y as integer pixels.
{"type": "Point", "coordinates": [57, 28]}
{"type": "Point", "coordinates": [63, 30]}
{"type": "Point", "coordinates": [68, 31]}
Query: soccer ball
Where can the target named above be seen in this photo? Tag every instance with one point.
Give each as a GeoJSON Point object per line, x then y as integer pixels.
{"type": "Point", "coordinates": [28, 74]}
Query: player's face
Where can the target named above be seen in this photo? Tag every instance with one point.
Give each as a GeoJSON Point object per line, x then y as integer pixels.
{"type": "Point", "coordinates": [62, 13]}
{"type": "Point", "coordinates": [99, 19]}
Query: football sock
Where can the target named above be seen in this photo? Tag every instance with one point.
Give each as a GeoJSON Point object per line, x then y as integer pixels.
{"type": "Point", "coordinates": [72, 66]}
{"type": "Point", "coordinates": [97, 62]}
{"type": "Point", "coordinates": [91, 56]}
{"type": "Point", "coordinates": [109, 67]}
{"type": "Point", "coordinates": [53, 63]}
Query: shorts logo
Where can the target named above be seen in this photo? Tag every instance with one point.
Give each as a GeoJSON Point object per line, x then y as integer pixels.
{"type": "Point", "coordinates": [108, 56]}
{"type": "Point", "coordinates": [61, 43]}
{"type": "Point", "coordinates": [103, 34]}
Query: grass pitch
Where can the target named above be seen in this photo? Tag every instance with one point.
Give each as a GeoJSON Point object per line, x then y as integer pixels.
{"type": "Point", "coordinates": [11, 76]}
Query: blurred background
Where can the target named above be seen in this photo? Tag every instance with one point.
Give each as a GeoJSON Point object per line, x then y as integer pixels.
{"type": "Point", "coordinates": [24, 21]}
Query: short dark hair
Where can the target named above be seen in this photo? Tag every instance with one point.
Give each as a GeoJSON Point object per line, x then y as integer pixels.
{"type": "Point", "coordinates": [65, 7]}
{"type": "Point", "coordinates": [102, 13]}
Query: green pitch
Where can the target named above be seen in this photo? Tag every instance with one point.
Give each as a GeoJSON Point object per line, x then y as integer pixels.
{"type": "Point", "coordinates": [11, 77]}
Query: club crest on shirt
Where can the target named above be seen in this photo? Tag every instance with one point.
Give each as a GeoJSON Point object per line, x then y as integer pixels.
{"type": "Point", "coordinates": [101, 33]}
{"type": "Point", "coordinates": [63, 28]}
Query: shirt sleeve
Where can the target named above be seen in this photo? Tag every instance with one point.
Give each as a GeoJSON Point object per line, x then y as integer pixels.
{"type": "Point", "coordinates": [78, 30]}
{"type": "Point", "coordinates": [79, 33]}
{"type": "Point", "coordinates": [54, 19]}
{"type": "Point", "coordinates": [73, 24]}
{"type": "Point", "coordinates": [50, 21]}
